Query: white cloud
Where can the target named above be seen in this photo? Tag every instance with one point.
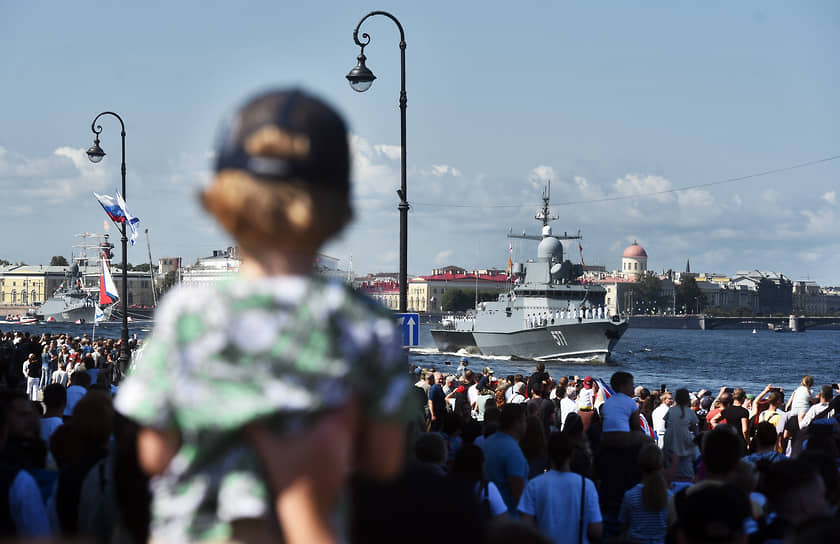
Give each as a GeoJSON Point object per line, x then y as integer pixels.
{"type": "Point", "coordinates": [370, 176]}
{"type": "Point", "coordinates": [830, 197]}
{"type": "Point", "coordinates": [444, 257]}
{"type": "Point", "coordinates": [393, 152]}
{"type": "Point", "coordinates": [540, 175]}
{"type": "Point", "coordinates": [644, 185]}
{"type": "Point", "coordinates": [821, 222]}
{"type": "Point", "coordinates": [443, 170]}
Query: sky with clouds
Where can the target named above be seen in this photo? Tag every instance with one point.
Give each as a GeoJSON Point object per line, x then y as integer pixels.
{"type": "Point", "coordinates": [648, 119]}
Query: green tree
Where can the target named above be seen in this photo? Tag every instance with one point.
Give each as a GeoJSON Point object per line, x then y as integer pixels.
{"type": "Point", "coordinates": [143, 267]}
{"type": "Point", "coordinates": [647, 293]}
{"type": "Point", "coordinates": [689, 296]}
{"type": "Point", "coordinates": [4, 262]}
{"type": "Point", "coordinates": [460, 300]}
{"type": "Point", "coordinates": [58, 260]}
{"type": "Point", "coordinates": [457, 300]}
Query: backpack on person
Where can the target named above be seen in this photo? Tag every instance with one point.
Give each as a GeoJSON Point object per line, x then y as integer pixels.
{"type": "Point", "coordinates": [770, 416]}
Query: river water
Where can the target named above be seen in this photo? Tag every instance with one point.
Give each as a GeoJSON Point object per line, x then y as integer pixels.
{"type": "Point", "coordinates": [693, 359]}
{"type": "Point", "coordinates": [679, 358]}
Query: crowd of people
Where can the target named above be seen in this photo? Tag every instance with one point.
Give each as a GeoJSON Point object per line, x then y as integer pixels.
{"type": "Point", "coordinates": [588, 461]}
{"type": "Point", "coordinates": [279, 406]}
{"type": "Point", "coordinates": [56, 424]}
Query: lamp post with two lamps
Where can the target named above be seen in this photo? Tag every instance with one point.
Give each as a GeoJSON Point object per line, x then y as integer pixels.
{"type": "Point", "coordinates": [96, 154]}
{"type": "Point", "coordinates": [361, 78]}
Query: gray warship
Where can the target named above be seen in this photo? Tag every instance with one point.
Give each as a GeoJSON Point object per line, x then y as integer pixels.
{"type": "Point", "coordinates": [76, 298]}
{"type": "Point", "coordinates": [70, 302]}
{"type": "Point", "coordinates": [547, 314]}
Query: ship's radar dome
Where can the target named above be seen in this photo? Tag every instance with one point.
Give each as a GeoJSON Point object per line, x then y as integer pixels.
{"type": "Point", "coordinates": [550, 247]}
{"type": "Point", "coordinates": [635, 251]}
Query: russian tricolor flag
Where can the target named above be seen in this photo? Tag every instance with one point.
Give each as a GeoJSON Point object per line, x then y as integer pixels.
{"type": "Point", "coordinates": [117, 211]}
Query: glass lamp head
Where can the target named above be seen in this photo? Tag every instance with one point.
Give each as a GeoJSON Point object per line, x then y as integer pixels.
{"type": "Point", "coordinates": [360, 77]}
{"type": "Point", "coordinates": [95, 153]}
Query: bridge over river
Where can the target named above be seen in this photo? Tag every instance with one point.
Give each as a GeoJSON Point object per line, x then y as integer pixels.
{"type": "Point", "coordinates": [795, 323]}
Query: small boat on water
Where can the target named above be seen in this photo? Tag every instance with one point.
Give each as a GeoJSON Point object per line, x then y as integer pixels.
{"type": "Point", "coordinates": [547, 313]}
{"type": "Point", "coordinates": [18, 320]}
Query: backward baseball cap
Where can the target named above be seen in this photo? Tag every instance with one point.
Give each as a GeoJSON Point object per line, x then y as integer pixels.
{"type": "Point", "coordinates": [309, 140]}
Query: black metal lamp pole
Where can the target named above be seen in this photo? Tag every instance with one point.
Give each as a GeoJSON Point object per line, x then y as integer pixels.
{"type": "Point", "coordinates": [361, 78]}
{"type": "Point", "coordinates": [96, 154]}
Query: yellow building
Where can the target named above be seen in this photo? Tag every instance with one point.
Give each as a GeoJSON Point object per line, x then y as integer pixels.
{"type": "Point", "coordinates": [25, 285]}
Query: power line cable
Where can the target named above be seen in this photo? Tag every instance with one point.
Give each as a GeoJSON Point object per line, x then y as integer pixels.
{"type": "Point", "coordinates": [653, 193]}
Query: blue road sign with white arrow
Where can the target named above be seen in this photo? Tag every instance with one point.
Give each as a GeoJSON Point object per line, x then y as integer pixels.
{"type": "Point", "coordinates": [409, 324]}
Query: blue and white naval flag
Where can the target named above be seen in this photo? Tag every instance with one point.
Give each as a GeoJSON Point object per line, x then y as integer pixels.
{"type": "Point", "coordinates": [98, 314]}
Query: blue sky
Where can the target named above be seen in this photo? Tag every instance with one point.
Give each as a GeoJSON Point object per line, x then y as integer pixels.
{"type": "Point", "coordinates": [612, 99]}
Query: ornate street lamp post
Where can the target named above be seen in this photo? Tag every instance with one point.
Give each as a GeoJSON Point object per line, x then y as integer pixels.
{"type": "Point", "coordinates": [361, 78]}
{"type": "Point", "coordinates": [96, 154]}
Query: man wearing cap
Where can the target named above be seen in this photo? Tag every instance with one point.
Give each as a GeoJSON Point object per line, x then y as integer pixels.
{"type": "Point", "coordinates": [462, 367]}
{"type": "Point", "coordinates": [586, 397]}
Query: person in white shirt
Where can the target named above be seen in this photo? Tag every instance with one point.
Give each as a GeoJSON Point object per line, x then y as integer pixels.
{"type": "Point", "coordinates": [800, 401]}
{"type": "Point", "coordinates": [568, 404]}
{"type": "Point", "coordinates": [658, 416]}
{"type": "Point", "coordinates": [820, 410]}
{"type": "Point", "coordinates": [518, 397]}
{"type": "Point", "coordinates": [586, 396]}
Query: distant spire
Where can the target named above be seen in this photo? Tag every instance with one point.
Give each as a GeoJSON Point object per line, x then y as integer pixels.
{"type": "Point", "coordinates": [688, 266]}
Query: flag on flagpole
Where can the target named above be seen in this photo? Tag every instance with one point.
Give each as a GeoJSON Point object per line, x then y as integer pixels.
{"type": "Point", "coordinates": [109, 204]}
{"type": "Point", "coordinates": [98, 315]}
{"type": "Point", "coordinates": [580, 248]}
{"type": "Point", "coordinates": [117, 211]}
{"type": "Point", "coordinates": [130, 220]}
{"type": "Point", "coordinates": [107, 287]}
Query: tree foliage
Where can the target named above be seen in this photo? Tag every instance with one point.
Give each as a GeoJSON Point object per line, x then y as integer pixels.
{"type": "Point", "coordinates": [647, 293]}
{"type": "Point", "coordinates": [58, 260]}
{"type": "Point", "coordinates": [143, 267]}
{"type": "Point", "coordinates": [460, 300]}
{"type": "Point", "coordinates": [689, 295]}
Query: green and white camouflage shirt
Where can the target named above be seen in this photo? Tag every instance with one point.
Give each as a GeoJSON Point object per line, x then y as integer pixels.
{"type": "Point", "coordinates": [284, 350]}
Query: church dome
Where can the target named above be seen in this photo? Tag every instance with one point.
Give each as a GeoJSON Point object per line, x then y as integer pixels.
{"type": "Point", "coordinates": [635, 251]}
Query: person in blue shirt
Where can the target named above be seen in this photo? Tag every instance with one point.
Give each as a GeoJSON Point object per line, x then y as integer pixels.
{"type": "Point", "coordinates": [505, 464]}
{"type": "Point", "coordinates": [564, 505]}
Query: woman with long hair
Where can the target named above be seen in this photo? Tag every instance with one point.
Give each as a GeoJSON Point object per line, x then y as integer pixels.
{"type": "Point", "coordinates": [680, 425]}
{"type": "Point", "coordinates": [644, 510]}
